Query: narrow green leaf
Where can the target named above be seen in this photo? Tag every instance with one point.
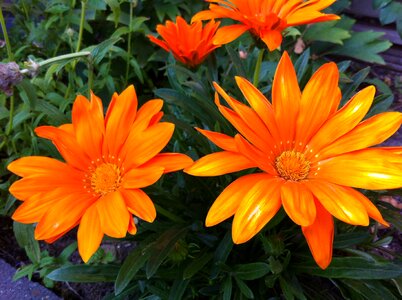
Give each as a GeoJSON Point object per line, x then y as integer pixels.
{"type": "Point", "coordinates": [85, 273]}
{"type": "Point", "coordinates": [227, 288]}
{"type": "Point", "coordinates": [24, 233]}
{"type": "Point", "coordinates": [349, 239]}
{"type": "Point", "coordinates": [301, 64]}
{"type": "Point", "coordinates": [251, 271]}
{"type": "Point", "coordinates": [244, 289]}
{"type": "Point", "coordinates": [161, 249]}
{"type": "Point", "coordinates": [130, 267]}
{"type": "Point", "coordinates": [178, 289]}
{"type": "Point", "coordinates": [351, 267]}
{"type": "Point", "coordinates": [196, 265]}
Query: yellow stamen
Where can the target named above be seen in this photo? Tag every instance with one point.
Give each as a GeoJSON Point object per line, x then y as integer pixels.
{"type": "Point", "coordinates": [292, 165]}
{"type": "Point", "coordinates": [106, 178]}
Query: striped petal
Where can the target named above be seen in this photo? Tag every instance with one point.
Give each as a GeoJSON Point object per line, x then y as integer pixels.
{"type": "Point", "coordinates": [139, 204]}
{"type": "Point", "coordinates": [170, 162]}
{"type": "Point", "coordinates": [219, 163]}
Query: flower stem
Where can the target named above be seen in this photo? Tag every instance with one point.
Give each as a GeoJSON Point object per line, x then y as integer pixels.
{"type": "Point", "coordinates": [4, 29]}
{"type": "Point", "coordinates": [90, 77]}
{"type": "Point", "coordinates": [257, 71]}
{"type": "Point", "coordinates": [10, 58]}
{"type": "Point", "coordinates": [82, 21]}
{"type": "Point", "coordinates": [130, 28]}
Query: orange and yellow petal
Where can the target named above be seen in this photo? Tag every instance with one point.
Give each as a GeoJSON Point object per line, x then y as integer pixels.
{"type": "Point", "coordinates": [272, 38]}
{"type": "Point", "coordinates": [286, 98]}
{"type": "Point", "coordinates": [145, 114]}
{"type": "Point", "coordinates": [320, 100]}
{"type": "Point", "coordinates": [64, 213]}
{"type": "Point", "coordinates": [227, 34]}
{"type": "Point", "coordinates": [119, 118]}
{"type": "Point", "coordinates": [229, 200]}
{"type": "Point", "coordinates": [30, 165]}
{"type": "Point", "coordinates": [372, 131]}
{"type": "Point", "coordinates": [339, 202]}
{"type": "Point", "coordinates": [219, 163]}
{"type": "Point", "coordinates": [170, 162]}
{"type": "Point", "coordinates": [142, 177]}
{"type": "Point", "coordinates": [221, 140]}
{"type": "Point", "coordinates": [113, 214]}
{"type": "Point", "coordinates": [142, 146]}
{"type": "Point", "coordinates": [88, 122]}
{"type": "Point", "coordinates": [89, 233]}
{"type": "Point", "coordinates": [139, 204]}
{"type": "Point", "coordinates": [320, 236]}
{"type": "Point", "coordinates": [344, 120]}
{"type": "Point", "coordinates": [372, 169]}
{"type": "Point", "coordinates": [259, 205]}
{"type": "Point", "coordinates": [298, 202]}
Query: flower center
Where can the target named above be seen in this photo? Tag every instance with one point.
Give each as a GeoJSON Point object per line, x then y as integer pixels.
{"type": "Point", "coordinates": [292, 165]}
{"type": "Point", "coordinates": [106, 178]}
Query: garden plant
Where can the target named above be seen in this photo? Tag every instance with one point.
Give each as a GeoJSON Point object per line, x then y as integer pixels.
{"type": "Point", "coordinates": [236, 148]}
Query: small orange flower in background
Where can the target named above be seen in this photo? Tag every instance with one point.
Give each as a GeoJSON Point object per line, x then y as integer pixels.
{"type": "Point", "coordinates": [265, 19]}
{"type": "Point", "coordinates": [107, 162]}
{"type": "Point", "coordinates": [189, 43]}
{"type": "Point", "coordinates": [309, 153]}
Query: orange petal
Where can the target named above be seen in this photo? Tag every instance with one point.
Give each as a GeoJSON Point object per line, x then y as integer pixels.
{"type": "Point", "coordinates": [219, 163]}
{"type": "Point", "coordinates": [271, 38]}
{"type": "Point", "coordinates": [343, 121]}
{"type": "Point", "coordinates": [132, 229]}
{"type": "Point", "coordinates": [146, 113]}
{"type": "Point", "coordinates": [89, 125]}
{"type": "Point", "coordinates": [27, 187]}
{"type": "Point", "coordinates": [170, 162]}
{"type": "Point", "coordinates": [286, 97]}
{"type": "Point", "coordinates": [142, 146]}
{"type": "Point", "coordinates": [89, 234]}
{"type": "Point", "coordinates": [223, 141]}
{"type": "Point", "coordinates": [372, 169]}
{"type": "Point", "coordinates": [259, 205]}
{"type": "Point", "coordinates": [119, 118]}
{"type": "Point", "coordinates": [33, 209]}
{"type": "Point", "coordinates": [371, 132]}
{"type": "Point", "coordinates": [113, 214]}
{"type": "Point", "coordinates": [260, 104]}
{"type": "Point", "coordinates": [262, 160]}
{"type": "Point", "coordinates": [339, 202]}
{"type": "Point", "coordinates": [142, 177]}
{"type": "Point", "coordinates": [139, 204]}
{"type": "Point", "coordinates": [30, 165]}
{"type": "Point", "coordinates": [253, 135]}
{"type": "Point", "coordinates": [229, 200]}
{"type": "Point", "coordinates": [64, 213]}
{"type": "Point", "coordinates": [372, 211]}
{"type": "Point", "coordinates": [298, 203]}
{"type": "Point", "coordinates": [320, 236]}
{"type": "Point", "coordinates": [67, 145]}
{"type": "Point", "coordinates": [319, 100]}
{"type": "Point", "coordinates": [227, 34]}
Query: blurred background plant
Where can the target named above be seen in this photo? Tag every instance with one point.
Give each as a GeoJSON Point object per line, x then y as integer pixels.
{"type": "Point", "coordinates": [64, 48]}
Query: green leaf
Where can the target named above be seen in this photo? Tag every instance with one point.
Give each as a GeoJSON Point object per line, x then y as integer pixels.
{"type": "Point", "coordinates": [85, 273]}
{"type": "Point", "coordinates": [66, 253]}
{"type": "Point", "coordinates": [301, 64]}
{"type": "Point", "coordinates": [326, 32]}
{"type": "Point", "coordinates": [391, 13]}
{"type": "Point", "coordinates": [357, 79]}
{"type": "Point", "coordinates": [227, 288]}
{"type": "Point", "coordinates": [353, 268]}
{"type": "Point", "coordinates": [161, 249]}
{"type": "Point", "coordinates": [244, 289]}
{"type": "Point", "coordinates": [251, 271]}
{"type": "Point", "coordinates": [178, 289]}
{"type": "Point", "coordinates": [130, 267]}
{"type": "Point", "coordinates": [350, 239]}
{"type": "Point", "coordinates": [221, 254]}
{"type": "Point", "coordinates": [27, 270]}
{"type": "Point", "coordinates": [380, 3]}
{"type": "Point", "coordinates": [364, 46]}
{"type": "Point", "coordinates": [99, 51]}
{"type": "Point", "coordinates": [196, 265]}
{"type": "Point", "coordinates": [237, 62]}
{"type": "Point", "coordinates": [24, 233]}
{"type": "Point", "coordinates": [368, 289]}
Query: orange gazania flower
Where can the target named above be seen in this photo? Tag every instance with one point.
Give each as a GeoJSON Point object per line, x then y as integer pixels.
{"type": "Point", "coordinates": [189, 43]}
{"type": "Point", "coordinates": [265, 19]}
{"type": "Point", "coordinates": [107, 162]}
{"type": "Point", "coordinates": [309, 153]}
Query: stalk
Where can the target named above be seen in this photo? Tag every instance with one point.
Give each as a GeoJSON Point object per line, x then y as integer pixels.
{"type": "Point", "coordinates": [130, 26]}
{"type": "Point", "coordinates": [257, 71]}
